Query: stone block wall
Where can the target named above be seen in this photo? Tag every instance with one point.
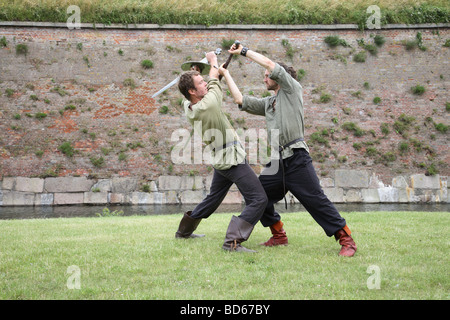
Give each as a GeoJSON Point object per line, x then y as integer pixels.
{"type": "Point", "coordinates": [348, 186]}
{"type": "Point", "coordinates": [366, 187]}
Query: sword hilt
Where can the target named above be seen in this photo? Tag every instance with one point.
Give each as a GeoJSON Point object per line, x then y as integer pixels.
{"type": "Point", "coordinates": [225, 65]}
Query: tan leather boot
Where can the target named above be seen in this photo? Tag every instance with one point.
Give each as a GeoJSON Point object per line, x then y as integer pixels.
{"type": "Point", "coordinates": [346, 241]}
{"type": "Point", "coordinates": [278, 238]}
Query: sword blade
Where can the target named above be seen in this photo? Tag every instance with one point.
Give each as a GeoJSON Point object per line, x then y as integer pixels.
{"type": "Point", "coordinates": [174, 81]}
{"type": "Point", "coordinates": [170, 84]}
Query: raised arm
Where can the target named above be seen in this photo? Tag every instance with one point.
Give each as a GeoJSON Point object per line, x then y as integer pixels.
{"type": "Point", "coordinates": [235, 92]}
{"type": "Point", "coordinates": [212, 59]}
{"type": "Point", "coordinates": [255, 56]}
{"type": "Point", "coordinates": [249, 104]}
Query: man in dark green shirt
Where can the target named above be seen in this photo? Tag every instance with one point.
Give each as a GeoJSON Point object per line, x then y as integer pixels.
{"type": "Point", "coordinates": [294, 172]}
{"type": "Point", "coordinates": [203, 109]}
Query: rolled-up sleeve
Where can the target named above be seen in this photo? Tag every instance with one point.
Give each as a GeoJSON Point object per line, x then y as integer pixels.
{"type": "Point", "coordinates": [254, 105]}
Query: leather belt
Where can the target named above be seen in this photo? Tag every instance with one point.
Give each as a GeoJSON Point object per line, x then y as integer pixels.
{"type": "Point", "coordinates": [281, 148]}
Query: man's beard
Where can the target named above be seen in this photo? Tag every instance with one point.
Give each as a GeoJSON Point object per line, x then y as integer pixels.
{"type": "Point", "coordinates": [272, 86]}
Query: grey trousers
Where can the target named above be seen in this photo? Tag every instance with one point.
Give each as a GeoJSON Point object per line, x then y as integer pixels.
{"type": "Point", "coordinates": [249, 186]}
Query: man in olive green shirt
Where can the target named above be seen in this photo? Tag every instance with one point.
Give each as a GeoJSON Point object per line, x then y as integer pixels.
{"type": "Point", "coordinates": [203, 110]}
{"type": "Point", "coordinates": [294, 172]}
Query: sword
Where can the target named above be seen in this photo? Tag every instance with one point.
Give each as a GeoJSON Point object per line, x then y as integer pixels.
{"type": "Point", "coordinates": [203, 65]}
{"type": "Point", "coordinates": [171, 83]}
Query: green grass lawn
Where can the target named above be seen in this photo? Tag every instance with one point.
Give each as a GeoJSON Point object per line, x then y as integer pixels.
{"type": "Point", "coordinates": [208, 12]}
{"type": "Point", "coordinates": [137, 257]}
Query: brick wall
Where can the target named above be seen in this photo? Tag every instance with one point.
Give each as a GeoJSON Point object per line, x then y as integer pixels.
{"type": "Point", "coordinates": [78, 78]}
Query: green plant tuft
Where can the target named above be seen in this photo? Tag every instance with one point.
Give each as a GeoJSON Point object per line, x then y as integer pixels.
{"type": "Point", "coordinates": [147, 64]}
{"type": "Point", "coordinates": [360, 57]}
{"type": "Point", "coordinates": [379, 40]}
{"type": "Point", "coordinates": [418, 90]}
{"type": "Point", "coordinates": [334, 41]}
{"type": "Point", "coordinates": [351, 126]}
{"type": "Point", "coordinates": [22, 48]}
{"type": "Point", "coordinates": [66, 148]}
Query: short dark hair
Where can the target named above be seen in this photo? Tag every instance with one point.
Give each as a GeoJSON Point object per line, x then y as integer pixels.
{"type": "Point", "coordinates": [186, 83]}
{"type": "Point", "coordinates": [289, 70]}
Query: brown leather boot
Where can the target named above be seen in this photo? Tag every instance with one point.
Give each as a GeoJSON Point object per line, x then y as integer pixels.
{"type": "Point", "coordinates": [278, 238]}
{"type": "Point", "coordinates": [238, 231]}
{"type": "Point", "coordinates": [187, 226]}
{"type": "Point", "coordinates": [346, 241]}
